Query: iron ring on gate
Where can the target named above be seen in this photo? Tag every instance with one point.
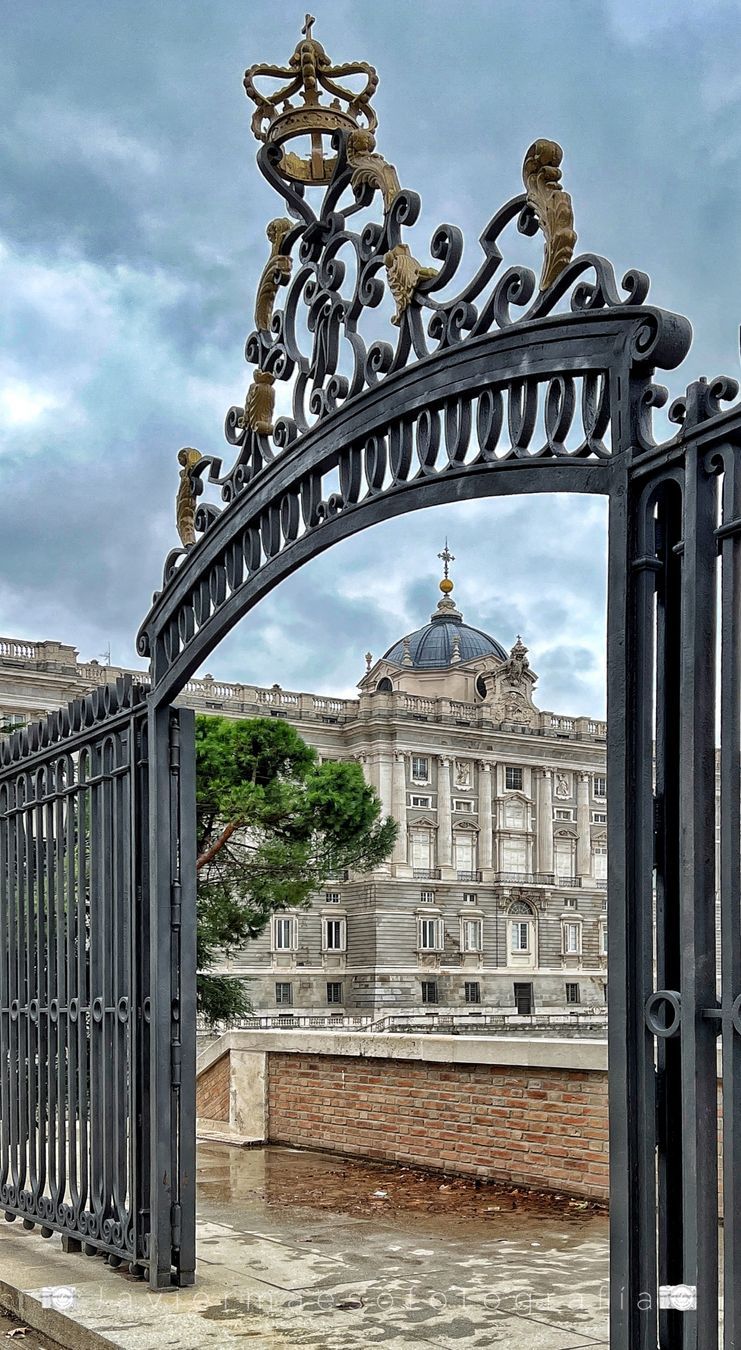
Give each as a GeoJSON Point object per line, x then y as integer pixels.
{"type": "Point", "coordinates": [659, 999]}
{"type": "Point", "coordinates": [736, 1014]}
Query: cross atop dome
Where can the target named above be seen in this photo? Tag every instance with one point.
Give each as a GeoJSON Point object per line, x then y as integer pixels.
{"type": "Point", "coordinates": [446, 557]}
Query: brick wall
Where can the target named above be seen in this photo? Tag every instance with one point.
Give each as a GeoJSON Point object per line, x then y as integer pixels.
{"type": "Point", "coordinates": [212, 1091]}
{"type": "Point", "coordinates": [538, 1127]}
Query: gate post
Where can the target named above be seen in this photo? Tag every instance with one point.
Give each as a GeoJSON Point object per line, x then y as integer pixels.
{"type": "Point", "coordinates": [172, 995]}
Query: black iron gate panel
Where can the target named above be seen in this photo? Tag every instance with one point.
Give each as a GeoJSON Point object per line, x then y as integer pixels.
{"type": "Point", "coordinates": [78, 922]}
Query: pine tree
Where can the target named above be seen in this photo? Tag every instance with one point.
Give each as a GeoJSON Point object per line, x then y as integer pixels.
{"type": "Point", "coordinates": [273, 823]}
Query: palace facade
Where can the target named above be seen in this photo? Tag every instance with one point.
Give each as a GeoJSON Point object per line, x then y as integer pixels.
{"type": "Point", "coordinates": [495, 897]}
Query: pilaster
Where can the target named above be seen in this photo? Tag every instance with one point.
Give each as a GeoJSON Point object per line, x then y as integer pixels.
{"type": "Point", "coordinates": [544, 842]}
{"type": "Point", "coordinates": [485, 815]}
{"type": "Point", "coordinates": [444, 815]}
{"type": "Point", "coordinates": [583, 835]}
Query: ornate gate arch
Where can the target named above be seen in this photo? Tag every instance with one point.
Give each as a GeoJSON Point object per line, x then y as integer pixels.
{"type": "Point", "coordinates": [508, 385]}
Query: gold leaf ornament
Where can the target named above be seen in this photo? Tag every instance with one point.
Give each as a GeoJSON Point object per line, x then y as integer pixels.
{"type": "Point", "coordinates": [259, 404]}
{"type": "Point", "coordinates": [541, 174]}
{"type": "Point", "coordinates": [404, 274]}
{"type": "Point", "coordinates": [185, 502]}
{"type": "Point", "coordinates": [278, 265]}
{"type": "Point", "coordinates": [369, 168]}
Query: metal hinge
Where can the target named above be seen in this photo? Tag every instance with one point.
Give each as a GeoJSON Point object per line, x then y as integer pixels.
{"type": "Point", "coordinates": [175, 1063]}
{"type": "Point", "coordinates": [176, 1224]}
{"type": "Point", "coordinates": [174, 743]}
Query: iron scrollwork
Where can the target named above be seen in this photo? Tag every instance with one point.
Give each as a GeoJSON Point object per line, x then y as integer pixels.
{"type": "Point", "coordinates": [376, 368]}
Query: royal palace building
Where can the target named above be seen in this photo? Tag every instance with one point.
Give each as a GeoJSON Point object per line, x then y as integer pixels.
{"type": "Point", "coordinates": [495, 896]}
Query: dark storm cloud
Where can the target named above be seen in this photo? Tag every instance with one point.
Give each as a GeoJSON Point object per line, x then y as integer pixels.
{"type": "Point", "coordinates": [132, 236]}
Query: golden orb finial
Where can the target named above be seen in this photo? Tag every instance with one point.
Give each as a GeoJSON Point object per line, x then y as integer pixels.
{"type": "Point", "coordinates": [446, 585]}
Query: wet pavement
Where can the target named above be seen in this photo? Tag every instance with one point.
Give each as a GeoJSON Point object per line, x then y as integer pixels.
{"type": "Point", "coordinates": [316, 1252]}
{"type": "Point", "coordinates": [394, 1256]}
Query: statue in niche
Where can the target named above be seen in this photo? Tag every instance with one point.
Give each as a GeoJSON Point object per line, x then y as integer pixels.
{"type": "Point", "coordinates": [462, 774]}
{"type": "Point", "coordinates": [563, 786]}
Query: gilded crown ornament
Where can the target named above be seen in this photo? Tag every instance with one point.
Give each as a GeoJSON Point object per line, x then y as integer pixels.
{"type": "Point", "coordinates": [278, 120]}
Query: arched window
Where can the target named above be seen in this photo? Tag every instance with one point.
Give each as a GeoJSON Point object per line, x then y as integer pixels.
{"type": "Point", "coordinates": [521, 941]}
{"type": "Point", "coordinates": [384, 686]}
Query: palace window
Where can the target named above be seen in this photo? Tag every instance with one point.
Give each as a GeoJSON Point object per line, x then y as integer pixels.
{"type": "Point", "coordinates": [421, 850]}
{"type": "Point", "coordinates": [427, 897]}
{"type": "Point", "coordinates": [465, 852]}
{"type": "Point", "coordinates": [603, 938]}
{"type": "Point", "coordinates": [513, 855]}
{"type": "Point", "coordinates": [334, 991]}
{"type": "Point", "coordinates": [572, 993]}
{"type": "Point", "coordinates": [471, 935]}
{"type": "Point", "coordinates": [563, 857]}
{"type": "Point", "coordinates": [421, 801]}
{"type": "Point", "coordinates": [429, 991]}
{"type": "Point", "coordinates": [514, 815]}
{"type": "Point", "coordinates": [563, 813]}
{"type": "Point", "coordinates": [420, 769]}
{"type": "Point", "coordinates": [333, 935]}
{"type": "Point", "coordinates": [599, 817]}
{"type": "Point", "coordinates": [472, 991]}
{"type": "Point", "coordinates": [462, 804]}
{"type": "Point", "coordinates": [571, 938]}
{"type": "Point", "coordinates": [570, 902]}
{"type": "Point", "coordinates": [284, 935]}
{"type": "Point", "coordinates": [331, 897]}
{"type": "Point", "coordinates": [430, 935]}
{"type": "Point", "coordinates": [600, 786]}
{"type": "Point", "coordinates": [520, 935]}
{"type": "Point", "coordinates": [513, 778]}
{"type": "Point", "coordinates": [284, 993]}
{"type": "Point", "coordinates": [470, 897]}
{"type": "Point", "coordinates": [599, 858]}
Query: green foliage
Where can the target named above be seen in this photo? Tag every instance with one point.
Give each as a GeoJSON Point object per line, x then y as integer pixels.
{"type": "Point", "coordinates": [273, 823]}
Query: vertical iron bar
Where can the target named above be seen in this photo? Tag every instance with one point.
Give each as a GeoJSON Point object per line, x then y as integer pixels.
{"type": "Point", "coordinates": [160, 963]}
{"type": "Point", "coordinates": [697, 901]}
{"type": "Point", "coordinates": [632, 1188]}
{"type": "Point", "coordinates": [186, 966]}
{"type": "Point", "coordinates": [730, 888]}
{"type": "Point", "coordinates": [668, 974]}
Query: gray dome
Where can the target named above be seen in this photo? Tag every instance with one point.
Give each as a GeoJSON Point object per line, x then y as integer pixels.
{"type": "Point", "coordinates": [432, 647]}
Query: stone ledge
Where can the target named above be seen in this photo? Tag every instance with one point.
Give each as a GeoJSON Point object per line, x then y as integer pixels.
{"type": "Point", "coordinates": [525, 1052]}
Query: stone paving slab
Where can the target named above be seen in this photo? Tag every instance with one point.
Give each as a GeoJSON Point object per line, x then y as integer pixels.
{"type": "Point", "coordinates": [289, 1277]}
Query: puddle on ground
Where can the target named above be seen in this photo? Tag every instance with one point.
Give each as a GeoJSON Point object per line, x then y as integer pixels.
{"type": "Point", "coordinates": [275, 1177]}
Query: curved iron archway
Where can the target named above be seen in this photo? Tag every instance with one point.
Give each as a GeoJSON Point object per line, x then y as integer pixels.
{"type": "Point", "coordinates": [509, 386]}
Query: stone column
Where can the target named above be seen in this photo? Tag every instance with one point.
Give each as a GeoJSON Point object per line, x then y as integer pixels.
{"type": "Point", "coordinates": [444, 820]}
{"type": "Point", "coordinates": [544, 842]}
{"type": "Point", "coordinates": [485, 817]}
{"type": "Point", "coordinates": [384, 781]}
{"type": "Point", "coordinates": [399, 806]}
{"type": "Point", "coordinates": [583, 833]}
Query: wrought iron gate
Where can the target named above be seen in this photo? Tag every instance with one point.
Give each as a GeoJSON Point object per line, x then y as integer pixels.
{"type": "Point", "coordinates": [96, 996]}
{"type": "Point", "coordinates": [501, 386]}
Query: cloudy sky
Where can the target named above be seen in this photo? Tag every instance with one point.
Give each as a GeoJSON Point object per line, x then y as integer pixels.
{"type": "Point", "coordinates": [132, 235]}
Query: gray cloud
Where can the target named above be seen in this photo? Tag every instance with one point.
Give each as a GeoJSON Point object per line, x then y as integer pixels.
{"type": "Point", "coordinates": [132, 236]}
